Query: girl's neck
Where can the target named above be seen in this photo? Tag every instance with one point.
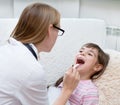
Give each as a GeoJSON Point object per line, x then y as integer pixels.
{"type": "Point", "coordinates": [85, 78]}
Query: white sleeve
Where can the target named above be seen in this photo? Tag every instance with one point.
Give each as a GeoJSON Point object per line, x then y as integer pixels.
{"type": "Point", "coordinates": [53, 94]}
{"type": "Point", "coordinates": [33, 94]}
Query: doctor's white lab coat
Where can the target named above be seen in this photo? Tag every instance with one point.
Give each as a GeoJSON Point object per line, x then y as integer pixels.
{"type": "Point", "coordinates": [22, 78]}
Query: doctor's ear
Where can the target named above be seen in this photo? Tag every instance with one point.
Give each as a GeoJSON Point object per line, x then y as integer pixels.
{"type": "Point", "coordinates": [50, 28]}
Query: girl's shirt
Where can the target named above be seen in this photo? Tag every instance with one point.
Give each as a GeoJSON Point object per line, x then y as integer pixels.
{"type": "Point", "coordinates": [86, 93]}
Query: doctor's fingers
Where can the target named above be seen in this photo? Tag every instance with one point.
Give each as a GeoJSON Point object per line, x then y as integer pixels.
{"type": "Point", "coordinates": [73, 75]}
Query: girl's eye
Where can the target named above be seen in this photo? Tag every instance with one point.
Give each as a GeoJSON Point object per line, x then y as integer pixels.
{"type": "Point", "coordinates": [80, 51]}
{"type": "Point", "coordinates": [90, 54]}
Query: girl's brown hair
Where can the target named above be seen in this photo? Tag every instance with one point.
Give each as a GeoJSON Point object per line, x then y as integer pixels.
{"type": "Point", "coordinates": [34, 22]}
{"type": "Point", "coordinates": [103, 59]}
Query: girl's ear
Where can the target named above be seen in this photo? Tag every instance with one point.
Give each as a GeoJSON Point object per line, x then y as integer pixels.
{"type": "Point", "coordinates": [98, 67]}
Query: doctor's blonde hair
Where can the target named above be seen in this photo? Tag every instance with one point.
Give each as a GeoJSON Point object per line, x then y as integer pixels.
{"type": "Point", "coordinates": [34, 21]}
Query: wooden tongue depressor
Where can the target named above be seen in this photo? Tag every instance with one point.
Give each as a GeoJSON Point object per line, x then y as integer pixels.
{"type": "Point", "coordinates": [75, 66]}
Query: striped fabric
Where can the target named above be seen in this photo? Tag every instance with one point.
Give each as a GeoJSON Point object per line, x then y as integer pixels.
{"type": "Point", "coordinates": [86, 93]}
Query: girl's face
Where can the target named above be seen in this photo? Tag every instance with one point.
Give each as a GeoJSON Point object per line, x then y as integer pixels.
{"type": "Point", "coordinates": [87, 58]}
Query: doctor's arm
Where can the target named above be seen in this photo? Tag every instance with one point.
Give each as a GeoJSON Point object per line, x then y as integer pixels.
{"type": "Point", "coordinates": [70, 82]}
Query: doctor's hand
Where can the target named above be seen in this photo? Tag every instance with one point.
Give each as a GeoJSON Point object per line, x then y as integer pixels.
{"type": "Point", "coordinates": [71, 80]}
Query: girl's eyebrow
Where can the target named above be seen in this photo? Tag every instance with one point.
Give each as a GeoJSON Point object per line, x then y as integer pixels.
{"type": "Point", "coordinates": [93, 53]}
{"type": "Point", "coordinates": [82, 48]}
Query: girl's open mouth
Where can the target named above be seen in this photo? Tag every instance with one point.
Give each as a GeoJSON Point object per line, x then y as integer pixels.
{"type": "Point", "coordinates": [80, 61]}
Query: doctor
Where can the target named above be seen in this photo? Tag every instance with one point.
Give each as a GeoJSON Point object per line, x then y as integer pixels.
{"type": "Point", "coordinates": [22, 78]}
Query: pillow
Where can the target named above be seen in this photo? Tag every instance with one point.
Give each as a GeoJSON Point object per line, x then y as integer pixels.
{"type": "Point", "coordinates": [109, 83]}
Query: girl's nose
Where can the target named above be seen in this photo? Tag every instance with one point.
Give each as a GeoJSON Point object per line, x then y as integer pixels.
{"type": "Point", "coordinates": [82, 53]}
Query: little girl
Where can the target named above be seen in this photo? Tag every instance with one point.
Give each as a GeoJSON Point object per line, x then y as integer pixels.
{"type": "Point", "coordinates": [91, 62]}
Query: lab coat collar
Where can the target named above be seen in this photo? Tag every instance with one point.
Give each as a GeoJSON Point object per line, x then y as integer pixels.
{"type": "Point", "coordinates": [15, 42]}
